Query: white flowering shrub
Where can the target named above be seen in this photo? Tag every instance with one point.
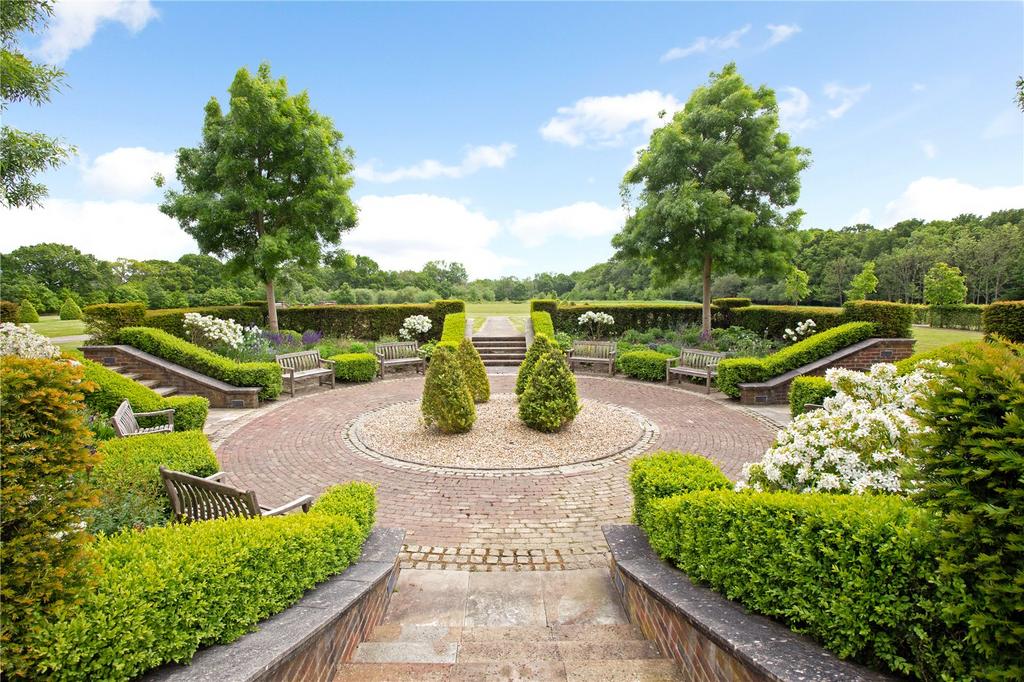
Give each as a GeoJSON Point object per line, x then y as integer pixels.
{"type": "Point", "coordinates": [25, 343]}
{"type": "Point", "coordinates": [803, 330]}
{"type": "Point", "coordinates": [858, 443]}
{"type": "Point", "coordinates": [594, 322]}
{"type": "Point", "coordinates": [415, 327]}
{"type": "Point", "coordinates": [208, 331]}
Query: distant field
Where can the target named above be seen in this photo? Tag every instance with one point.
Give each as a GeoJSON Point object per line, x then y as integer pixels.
{"type": "Point", "coordinates": [929, 338]}
{"type": "Point", "coordinates": [52, 325]}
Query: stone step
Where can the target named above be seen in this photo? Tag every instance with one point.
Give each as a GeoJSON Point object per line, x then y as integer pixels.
{"type": "Point", "coordinates": [502, 363]}
{"type": "Point", "coordinates": [486, 339]}
{"type": "Point", "coordinates": [500, 349]}
{"type": "Point", "coordinates": [504, 356]}
{"type": "Point", "coordinates": [164, 391]}
{"type": "Point", "coordinates": [515, 633]}
{"type": "Point", "coordinates": [148, 383]}
{"type": "Point", "coordinates": [637, 670]}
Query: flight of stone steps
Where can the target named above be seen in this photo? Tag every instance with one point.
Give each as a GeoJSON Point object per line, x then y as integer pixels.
{"type": "Point", "coordinates": [152, 384]}
{"type": "Point", "coordinates": [501, 351]}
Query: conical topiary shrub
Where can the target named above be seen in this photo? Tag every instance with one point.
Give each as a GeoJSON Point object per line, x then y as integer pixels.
{"type": "Point", "coordinates": [542, 343]}
{"type": "Point", "coordinates": [447, 401]}
{"type": "Point", "coordinates": [27, 312]}
{"type": "Point", "coordinates": [70, 310]}
{"type": "Point", "coordinates": [550, 400]}
{"type": "Point", "coordinates": [474, 371]}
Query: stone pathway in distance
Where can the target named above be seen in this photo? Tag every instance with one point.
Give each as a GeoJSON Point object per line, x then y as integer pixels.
{"type": "Point", "coordinates": [498, 326]}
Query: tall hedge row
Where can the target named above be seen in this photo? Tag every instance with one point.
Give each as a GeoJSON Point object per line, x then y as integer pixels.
{"type": "Point", "coordinates": [1005, 318]}
{"type": "Point", "coordinates": [172, 320]}
{"type": "Point", "coordinates": [103, 321]}
{"type": "Point", "coordinates": [773, 320]}
{"type": "Point", "coordinates": [632, 316]}
{"type": "Point", "coordinates": [891, 320]}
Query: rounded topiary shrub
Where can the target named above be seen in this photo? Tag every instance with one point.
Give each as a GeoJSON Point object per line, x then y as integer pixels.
{"type": "Point", "coordinates": [648, 365]}
{"type": "Point", "coordinates": [447, 401]}
{"type": "Point", "coordinates": [474, 371]}
{"type": "Point", "coordinates": [542, 343]}
{"type": "Point", "coordinates": [550, 400]}
{"type": "Point", "coordinates": [8, 311]}
{"type": "Point", "coordinates": [355, 367]}
{"type": "Point", "coordinates": [70, 310]}
{"type": "Point", "coordinates": [27, 312]}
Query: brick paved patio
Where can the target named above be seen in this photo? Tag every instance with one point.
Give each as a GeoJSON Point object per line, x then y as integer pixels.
{"type": "Point", "coordinates": [546, 520]}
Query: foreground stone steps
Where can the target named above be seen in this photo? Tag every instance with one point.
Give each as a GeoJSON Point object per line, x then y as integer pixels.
{"type": "Point", "coordinates": [152, 384]}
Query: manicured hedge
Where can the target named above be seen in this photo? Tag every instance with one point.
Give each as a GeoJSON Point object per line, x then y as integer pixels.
{"type": "Point", "coordinates": [172, 320]}
{"type": "Point", "coordinates": [190, 411]}
{"type": "Point", "coordinates": [448, 306]}
{"type": "Point", "coordinates": [447, 399]}
{"type": "Point", "coordinates": [735, 371]}
{"type": "Point", "coordinates": [8, 311]}
{"type": "Point", "coordinates": [1005, 318]}
{"type": "Point", "coordinates": [667, 473]}
{"type": "Point", "coordinates": [70, 310]}
{"type": "Point", "coordinates": [550, 400]}
{"type": "Point", "coordinates": [162, 593]}
{"type": "Point", "coordinates": [454, 329]}
{"type": "Point", "coordinates": [964, 316]}
{"type": "Point", "coordinates": [648, 365]}
{"type": "Point", "coordinates": [27, 312]}
{"type": "Point", "coordinates": [354, 367]}
{"type": "Point", "coordinates": [892, 320]}
{"type": "Point", "coordinates": [266, 375]}
{"type": "Point", "coordinates": [804, 390]}
{"type": "Point", "coordinates": [104, 320]}
{"type": "Point", "coordinates": [947, 353]}
{"type": "Point", "coordinates": [921, 314]}
{"type": "Point", "coordinates": [773, 320]}
{"type": "Point", "coordinates": [360, 321]}
{"type": "Point", "coordinates": [640, 316]}
{"type": "Point", "coordinates": [542, 323]}
{"type": "Point", "coordinates": [731, 303]}
{"type": "Point", "coordinates": [548, 305]}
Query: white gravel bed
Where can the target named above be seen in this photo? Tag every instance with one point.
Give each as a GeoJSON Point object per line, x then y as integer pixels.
{"type": "Point", "coordinates": [499, 439]}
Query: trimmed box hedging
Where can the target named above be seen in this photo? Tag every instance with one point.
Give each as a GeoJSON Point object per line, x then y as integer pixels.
{"type": "Point", "coordinates": [648, 365]}
{"type": "Point", "coordinates": [731, 303]}
{"type": "Point", "coordinates": [448, 306]}
{"type": "Point", "coordinates": [921, 313]}
{"type": "Point", "coordinates": [162, 593]}
{"type": "Point", "coordinates": [103, 321]}
{"type": "Point", "coordinates": [172, 320]}
{"type": "Point", "coordinates": [542, 343]}
{"type": "Point", "coordinates": [542, 323]}
{"type": "Point", "coordinates": [667, 473]}
{"type": "Point", "coordinates": [964, 316]}
{"type": "Point", "coordinates": [892, 320]}
{"type": "Point", "coordinates": [735, 371]}
{"type": "Point", "coordinates": [8, 311]}
{"type": "Point", "coordinates": [804, 390]}
{"type": "Point", "coordinates": [355, 367]}
{"type": "Point", "coordinates": [474, 371]}
{"type": "Point", "coordinates": [454, 329]}
{"type": "Point", "coordinates": [447, 400]}
{"type": "Point", "coordinates": [266, 375]}
{"type": "Point", "coordinates": [1005, 318]}
{"type": "Point", "coordinates": [550, 400]}
{"type": "Point", "coordinates": [773, 320]}
{"type": "Point", "coordinates": [641, 316]}
{"type": "Point", "coordinates": [358, 321]}
{"type": "Point", "coordinates": [70, 310]}
{"type": "Point", "coordinates": [547, 305]}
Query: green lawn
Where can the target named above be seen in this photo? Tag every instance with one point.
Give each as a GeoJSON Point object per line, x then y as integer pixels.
{"type": "Point", "coordinates": [929, 338]}
{"type": "Point", "coordinates": [52, 325]}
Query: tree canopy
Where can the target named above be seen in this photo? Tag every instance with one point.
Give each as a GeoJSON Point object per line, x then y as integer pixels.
{"type": "Point", "coordinates": [944, 285]}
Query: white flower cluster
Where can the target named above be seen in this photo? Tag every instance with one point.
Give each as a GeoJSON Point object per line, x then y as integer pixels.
{"type": "Point", "coordinates": [207, 331]}
{"type": "Point", "coordinates": [25, 343]}
{"type": "Point", "coordinates": [414, 326]}
{"type": "Point", "coordinates": [803, 329]}
{"type": "Point", "coordinates": [591, 317]}
{"type": "Point", "coordinates": [859, 442]}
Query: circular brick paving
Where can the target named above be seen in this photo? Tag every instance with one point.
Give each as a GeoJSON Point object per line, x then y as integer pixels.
{"type": "Point", "coordinates": [481, 520]}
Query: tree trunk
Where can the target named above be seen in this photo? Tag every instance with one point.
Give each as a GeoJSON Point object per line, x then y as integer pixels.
{"type": "Point", "coordinates": [271, 307]}
{"type": "Point", "coordinates": [705, 320]}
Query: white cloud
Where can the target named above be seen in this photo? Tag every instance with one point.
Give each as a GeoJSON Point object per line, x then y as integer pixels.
{"type": "Point", "coordinates": [932, 198]}
{"type": "Point", "coordinates": [929, 149]}
{"type": "Point", "coordinates": [846, 97]}
{"type": "Point", "coordinates": [474, 159]}
{"type": "Point", "coordinates": [578, 221]}
{"type": "Point", "coordinates": [405, 231]}
{"type": "Point", "coordinates": [127, 172]}
{"type": "Point", "coordinates": [607, 121]}
{"type": "Point", "coordinates": [780, 33]}
{"type": "Point", "coordinates": [75, 22]}
{"type": "Point", "coordinates": [106, 229]}
{"type": "Point", "coordinates": [863, 216]}
{"type": "Point", "coordinates": [793, 111]}
{"type": "Point", "coordinates": [705, 44]}
{"type": "Point", "coordinates": [1006, 123]}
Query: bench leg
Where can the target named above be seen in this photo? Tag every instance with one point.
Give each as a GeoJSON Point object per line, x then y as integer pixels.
{"type": "Point", "coordinates": [707, 390]}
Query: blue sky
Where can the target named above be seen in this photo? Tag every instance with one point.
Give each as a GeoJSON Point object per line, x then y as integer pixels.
{"type": "Point", "coordinates": [497, 134]}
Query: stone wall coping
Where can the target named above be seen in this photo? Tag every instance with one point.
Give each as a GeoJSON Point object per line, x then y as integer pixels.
{"type": "Point", "coordinates": [769, 648]}
{"type": "Point", "coordinates": [812, 367]}
{"type": "Point", "coordinates": [173, 368]}
{"type": "Point", "coordinates": [257, 653]}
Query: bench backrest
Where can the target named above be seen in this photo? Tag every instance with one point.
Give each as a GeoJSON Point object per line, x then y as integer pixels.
{"type": "Point", "coordinates": [197, 499]}
{"type": "Point", "coordinates": [699, 359]}
{"type": "Point", "coordinates": [124, 420]}
{"type": "Point", "coordinates": [602, 350]}
{"type": "Point", "coordinates": [398, 350]}
{"type": "Point", "coordinates": [305, 359]}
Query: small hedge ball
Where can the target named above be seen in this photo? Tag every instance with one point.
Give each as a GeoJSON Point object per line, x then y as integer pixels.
{"type": "Point", "coordinates": [355, 367]}
{"type": "Point", "coordinates": [542, 344]}
{"type": "Point", "coordinates": [474, 371]}
{"type": "Point", "coordinates": [648, 365]}
{"type": "Point", "coordinates": [70, 310]}
{"type": "Point", "coordinates": [447, 401]}
{"type": "Point", "coordinates": [550, 400]}
{"type": "Point", "coordinates": [27, 312]}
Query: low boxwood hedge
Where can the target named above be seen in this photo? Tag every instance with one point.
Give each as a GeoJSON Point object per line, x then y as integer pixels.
{"type": "Point", "coordinates": [772, 321]}
{"type": "Point", "coordinates": [735, 371]}
{"type": "Point", "coordinates": [891, 320]}
{"type": "Point", "coordinates": [103, 321]}
{"type": "Point", "coordinates": [454, 329]}
{"type": "Point", "coordinates": [648, 365]}
{"type": "Point", "coordinates": [162, 593]}
{"type": "Point", "coordinates": [638, 316]}
{"type": "Point", "coordinates": [730, 303]}
{"type": "Point", "coordinates": [667, 473]}
{"type": "Point", "coordinates": [542, 323]}
{"type": "Point", "coordinates": [266, 375]}
{"type": "Point", "coordinates": [172, 320]}
{"type": "Point", "coordinates": [355, 367]}
{"type": "Point", "coordinates": [804, 390]}
{"type": "Point", "coordinates": [1005, 318]}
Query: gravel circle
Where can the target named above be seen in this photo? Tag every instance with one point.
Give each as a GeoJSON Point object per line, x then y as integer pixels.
{"type": "Point", "coordinates": [499, 440]}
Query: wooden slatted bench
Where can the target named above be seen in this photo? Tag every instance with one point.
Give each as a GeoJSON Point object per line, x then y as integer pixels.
{"type": "Point", "coordinates": [125, 421]}
{"type": "Point", "coordinates": [399, 354]}
{"type": "Point", "coordinates": [201, 499]}
{"type": "Point", "coordinates": [693, 362]}
{"type": "Point", "coordinates": [305, 364]}
{"type": "Point", "coordinates": [593, 353]}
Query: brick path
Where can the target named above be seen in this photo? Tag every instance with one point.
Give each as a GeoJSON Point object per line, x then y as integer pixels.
{"type": "Point", "coordinates": [477, 520]}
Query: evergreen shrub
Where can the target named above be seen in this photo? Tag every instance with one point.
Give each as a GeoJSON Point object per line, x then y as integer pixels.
{"type": "Point", "coordinates": [474, 371]}
{"type": "Point", "coordinates": [447, 400]}
{"type": "Point", "coordinates": [550, 400]}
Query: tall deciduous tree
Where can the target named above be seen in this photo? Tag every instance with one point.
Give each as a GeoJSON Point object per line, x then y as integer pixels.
{"type": "Point", "coordinates": [863, 284]}
{"type": "Point", "coordinates": [269, 183]}
{"type": "Point", "coordinates": [713, 185]}
{"type": "Point", "coordinates": [944, 285]}
{"type": "Point", "coordinates": [797, 285]}
{"type": "Point", "coordinates": [24, 154]}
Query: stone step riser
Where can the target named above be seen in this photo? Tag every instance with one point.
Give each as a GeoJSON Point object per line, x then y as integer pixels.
{"type": "Point", "coordinates": [489, 339]}
{"type": "Point", "coordinates": [503, 356]}
{"type": "Point", "coordinates": [645, 670]}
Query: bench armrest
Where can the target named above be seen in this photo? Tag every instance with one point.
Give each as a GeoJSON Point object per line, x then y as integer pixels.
{"type": "Point", "coordinates": [158, 413]}
{"type": "Point", "coordinates": [327, 364]}
{"type": "Point", "coordinates": [290, 371]}
{"type": "Point", "coordinates": [305, 501]}
{"type": "Point", "coordinates": [217, 476]}
{"type": "Point", "coordinates": [671, 362]}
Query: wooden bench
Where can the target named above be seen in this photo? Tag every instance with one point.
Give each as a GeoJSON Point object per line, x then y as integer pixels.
{"type": "Point", "coordinates": [305, 364]}
{"type": "Point", "coordinates": [694, 363]}
{"type": "Point", "coordinates": [125, 421]}
{"type": "Point", "coordinates": [202, 499]}
{"type": "Point", "coordinates": [399, 354]}
{"type": "Point", "coordinates": [593, 353]}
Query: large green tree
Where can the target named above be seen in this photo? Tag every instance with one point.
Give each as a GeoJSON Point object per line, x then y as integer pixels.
{"type": "Point", "coordinates": [25, 154]}
{"type": "Point", "coordinates": [713, 185]}
{"type": "Point", "coordinates": [268, 186]}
